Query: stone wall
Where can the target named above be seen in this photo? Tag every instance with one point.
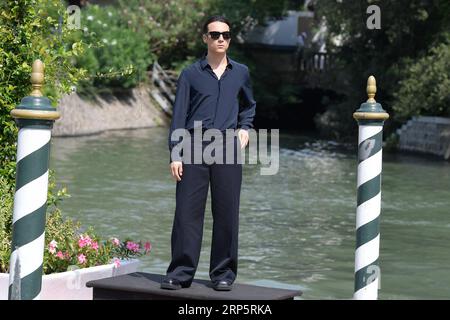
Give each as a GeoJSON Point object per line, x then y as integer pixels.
{"type": "Point", "coordinates": [130, 110]}
{"type": "Point", "coordinates": [427, 135]}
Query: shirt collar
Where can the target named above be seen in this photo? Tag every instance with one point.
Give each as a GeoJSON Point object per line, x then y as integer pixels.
{"type": "Point", "coordinates": [204, 62]}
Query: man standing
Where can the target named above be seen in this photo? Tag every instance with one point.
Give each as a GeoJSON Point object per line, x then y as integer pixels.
{"type": "Point", "coordinates": [208, 91]}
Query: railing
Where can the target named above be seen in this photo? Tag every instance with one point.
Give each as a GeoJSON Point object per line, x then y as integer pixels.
{"type": "Point", "coordinates": [314, 62]}
{"type": "Point", "coordinates": [164, 87]}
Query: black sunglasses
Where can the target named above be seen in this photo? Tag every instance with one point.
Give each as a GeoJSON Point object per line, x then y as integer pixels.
{"type": "Point", "coordinates": [216, 35]}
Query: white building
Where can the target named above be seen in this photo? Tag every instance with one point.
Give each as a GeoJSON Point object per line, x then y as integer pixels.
{"type": "Point", "coordinates": [287, 34]}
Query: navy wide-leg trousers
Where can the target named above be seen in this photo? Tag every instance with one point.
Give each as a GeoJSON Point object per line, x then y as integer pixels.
{"type": "Point", "coordinates": [191, 195]}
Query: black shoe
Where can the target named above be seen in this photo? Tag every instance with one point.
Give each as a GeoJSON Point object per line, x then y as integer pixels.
{"type": "Point", "coordinates": [170, 284]}
{"type": "Point", "coordinates": [222, 285]}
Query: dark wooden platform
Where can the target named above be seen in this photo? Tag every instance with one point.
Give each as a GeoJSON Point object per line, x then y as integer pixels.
{"type": "Point", "coordinates": [146, 286]}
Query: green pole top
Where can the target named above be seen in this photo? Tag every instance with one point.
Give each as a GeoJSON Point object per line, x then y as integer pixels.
{"type": "Point", "coordinates": [35, 106]}
{"type": "Point", "coordinates": [371, 110]}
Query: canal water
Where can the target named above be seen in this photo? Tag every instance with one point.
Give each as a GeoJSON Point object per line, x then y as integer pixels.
{"type": "Point", "coordinates": [297, 228]}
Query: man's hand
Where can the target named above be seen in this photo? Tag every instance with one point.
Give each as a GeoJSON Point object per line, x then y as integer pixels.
{"type": "Point", "coordinates": [176, 168]}
{"type": "Point", "coordinates": [243, 137]}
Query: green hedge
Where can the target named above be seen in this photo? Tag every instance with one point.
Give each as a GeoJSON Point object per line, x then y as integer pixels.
{"type": "Point", "coordinates": [425, 87]}
{"type": "Point", "coordinates": [29, 31]}
{"type": "Point", "coordinates": [117, 56]}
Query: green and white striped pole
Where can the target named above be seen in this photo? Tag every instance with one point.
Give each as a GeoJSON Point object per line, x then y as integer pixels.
{"type": "Point", "coordinates": [370, 117]}
{"type": "Point", "coordinates": [35, 117]}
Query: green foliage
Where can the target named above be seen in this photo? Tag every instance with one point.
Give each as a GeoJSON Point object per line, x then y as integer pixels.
{"type": "Point", "coordinates": [425, 88]}
{"type": "Point", "coordinates": [117, 55]}
{"type": "Point", "coordinates": [54, 196]}
{"type": "Point", "coordinates": [6, 207]}
{"type": "Point", "coordinates": [29, 30]}
{"type": "Point", "coordinates": [172, 28]}
{"type": "Point", "coordinates": [408, 30]}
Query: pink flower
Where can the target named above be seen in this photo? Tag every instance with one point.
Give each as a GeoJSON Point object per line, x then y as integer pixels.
{"type": "Point", "coordinates": [81, 243]}
{"type": "Point", "coordinates": [148, 247]}
{"type": "Point", "coordinates": [116, 263]}
{"type": "Point", "coordinates": [115, 241]}
{"type": "Point", "coordinates": [52, 246]}
{"type": "Point", "coordinates": [94, 245]}
{"type": "Point", "coordinates": [81, 258]}
{"type": "Point", "coordinates": [84, 241]}
{"type": "Point", "coordinates": [60, 255]}
{"type": "Point", "coordinates": [132, 246]}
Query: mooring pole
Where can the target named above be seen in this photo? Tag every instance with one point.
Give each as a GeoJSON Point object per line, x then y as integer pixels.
{"type": "Point", "coordinates": [370, 117]}
{"type": "Point", "coordinates": [34, 117]}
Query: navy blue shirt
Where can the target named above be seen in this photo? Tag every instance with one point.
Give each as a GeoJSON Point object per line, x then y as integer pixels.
{"type": "Point", "coordinates": [201, 96]}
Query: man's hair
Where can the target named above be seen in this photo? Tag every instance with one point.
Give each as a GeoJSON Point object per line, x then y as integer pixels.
{"type": "Point", "coordinates": [214, 19]}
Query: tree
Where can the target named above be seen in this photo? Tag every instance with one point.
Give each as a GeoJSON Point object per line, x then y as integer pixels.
{"type": "Point", "coordinates": [408, 30]}
{"type": "Point", "coordinates": [425, 86]}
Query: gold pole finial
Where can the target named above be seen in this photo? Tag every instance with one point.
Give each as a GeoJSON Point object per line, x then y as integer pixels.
{"type": "Point", "coordinates": [37, 78]}
{"type": "Point", "coordinates": [371, 89]}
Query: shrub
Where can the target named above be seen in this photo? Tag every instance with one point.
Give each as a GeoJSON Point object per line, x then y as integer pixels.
{"type": "Point", "coordinates": [425, 88]}
{"type": "Point", "coordinates": [172, 28]}
{"type": "Point", "coordinates": [6, 207]}
{"type": "Point", "coordinates": [29, 29]}
{"type": "Point", "coordinates": [117, 56]}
